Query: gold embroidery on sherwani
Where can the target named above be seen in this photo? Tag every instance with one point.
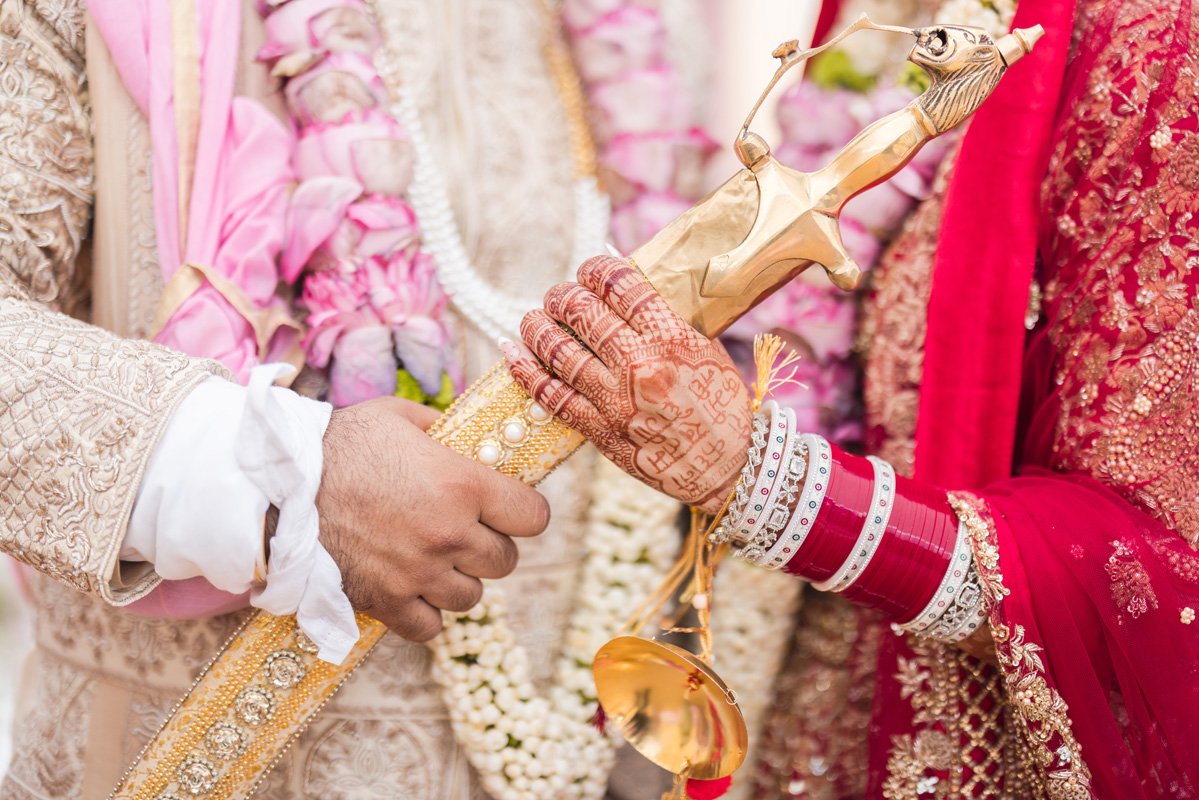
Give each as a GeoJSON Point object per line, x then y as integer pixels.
{"type": "Point", "coordinates": [81, 413]}
{"type": "Point", "coordinates": [80, 409]}
{"type": "Point", "coordinates": [45, 148]}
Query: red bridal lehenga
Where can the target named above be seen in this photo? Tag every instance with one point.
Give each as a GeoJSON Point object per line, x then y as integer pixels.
{"type": "Point", "coordinates": [1068, 446]}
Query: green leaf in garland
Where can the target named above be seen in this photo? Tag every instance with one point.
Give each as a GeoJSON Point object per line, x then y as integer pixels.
{"type": "Point", "coordinates": [408, 388]}
{"type": "Point", "coordinates": [834, 70]}
{"type": "Point", "coordinates": [446, 396]}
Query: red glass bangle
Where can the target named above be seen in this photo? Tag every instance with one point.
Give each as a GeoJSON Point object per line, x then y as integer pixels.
{"type": "Point", "coordinates": [921, 590]}
{"type": "Point", "coordinates": [918, 588]}
{"type": "Point", "coordinates": [923, 541]}
{"type": "Point", "coordinates": [887, 566]}
{"type": "Point", "coordinates": [840, 520]}
{"type": "Point", "coordinates": [914, 554]}
{"type": "Point", "coordinates": [922, 579]}
{"type": "Point", "coordinates": [798, 565]}
{"type": "Point", "coordinates": [929, 551]}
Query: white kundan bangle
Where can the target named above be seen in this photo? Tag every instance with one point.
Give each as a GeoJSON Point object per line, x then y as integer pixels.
{"type": "Point", "coordinates": [757, 510]}
{"type": "Point", "coordinates": [965, 614]}
{"type": "Point", "coordinates": [753, 459]}
{"type": "Point", "coordinates": [819, 467]}
{"type": "Point", "coordinates": [782, 497]}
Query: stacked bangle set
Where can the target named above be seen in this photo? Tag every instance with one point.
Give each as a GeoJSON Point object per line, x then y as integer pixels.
{"type": "Point", "coordinates": [882, 541]}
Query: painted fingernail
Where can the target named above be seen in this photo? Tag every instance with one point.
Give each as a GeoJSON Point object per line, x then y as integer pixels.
{"type": "Point", "coordinates": [508, 348]}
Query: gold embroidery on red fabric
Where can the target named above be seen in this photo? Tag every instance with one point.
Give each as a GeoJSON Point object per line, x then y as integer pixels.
{"type": "Point", "coordinates": [1131, 587]}
{"type": "Point", "coordinates": [961, 745]}
{"type": "Point", "coordinates": [973, 752]}
{"type": "Point", "coordinates": [1120, 190]}
{"type": "Point", "coordinates": [814, 743]}
{"type": "Point", "coordinates": [1041, 715]}
{"type": "Point", "coordinates": [893, 325]}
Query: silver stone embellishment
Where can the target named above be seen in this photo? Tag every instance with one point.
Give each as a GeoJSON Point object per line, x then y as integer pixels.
{"type": "Point", "coordinates": [284, 669]}
{"type": "Point", "coordinates": [197, 775]}
{"type": "Point", "coordinates": [254, 706]}
{"type": "Point", "coordinates": [305, 644]}
{"type": "Point", "coordinates": [225, 741]}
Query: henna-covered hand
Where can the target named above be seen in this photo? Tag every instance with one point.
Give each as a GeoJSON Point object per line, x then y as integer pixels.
{"type": "Point", "coordinates": [660, 400]}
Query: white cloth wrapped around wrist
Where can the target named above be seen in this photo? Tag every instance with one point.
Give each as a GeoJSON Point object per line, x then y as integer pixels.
{"type": "Point", "coordinates": [278, 453]}
{"type": "Point", "coordinates": [227, 454]}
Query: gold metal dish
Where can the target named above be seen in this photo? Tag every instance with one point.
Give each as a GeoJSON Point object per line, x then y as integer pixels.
{"type": "Point", "coordinates": [671, 707]}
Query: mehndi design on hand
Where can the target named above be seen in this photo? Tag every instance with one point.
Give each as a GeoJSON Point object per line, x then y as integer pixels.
{"type": "Point", "coordinates": [662, 401]}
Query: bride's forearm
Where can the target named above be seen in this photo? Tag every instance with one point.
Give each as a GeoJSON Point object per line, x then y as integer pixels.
{"type": "Point", "coordinates": [667, 405]}
{"type": "Point", "coordinates": [850, 525]}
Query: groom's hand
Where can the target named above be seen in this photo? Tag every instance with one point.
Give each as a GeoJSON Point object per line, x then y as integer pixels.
{"type": "Point", "coordinates": [412, 524]}
{"type": "Point", "coordinates": [659, 399]}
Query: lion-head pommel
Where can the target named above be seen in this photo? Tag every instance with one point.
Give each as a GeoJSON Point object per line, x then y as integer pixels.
{"type": "Point", "coordinates": [965, 65]}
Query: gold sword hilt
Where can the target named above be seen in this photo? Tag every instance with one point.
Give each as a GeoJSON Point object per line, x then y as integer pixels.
{"type": "Point", "coordinates": [769, 222]}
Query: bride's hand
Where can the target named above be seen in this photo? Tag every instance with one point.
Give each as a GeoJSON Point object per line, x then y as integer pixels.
{"type": "Point", "coordinates": [660, 400]}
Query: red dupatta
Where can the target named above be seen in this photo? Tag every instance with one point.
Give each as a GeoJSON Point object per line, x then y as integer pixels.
{"type": "Point", "coordinates": [986, 254]}
{"type": "Point", "coordinates": [1092, 598]}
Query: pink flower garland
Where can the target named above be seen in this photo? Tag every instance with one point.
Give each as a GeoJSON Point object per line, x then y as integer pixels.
{"type": "Point", "coordinates": [651, 151]}
{"type": "Point", "coordinates": [373, 301]}
{"type": "Point", "coordinates": [372, 298]}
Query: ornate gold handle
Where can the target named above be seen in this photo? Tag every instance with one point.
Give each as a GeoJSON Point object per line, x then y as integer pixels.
{"type": "Point", "coordinates": [769, 222]}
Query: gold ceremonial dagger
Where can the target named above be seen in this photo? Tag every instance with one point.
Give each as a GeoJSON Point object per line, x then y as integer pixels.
{"type": "Point", "coordinates": [720, 258]}
{"type": "Point", "coordinates": [769, 222]}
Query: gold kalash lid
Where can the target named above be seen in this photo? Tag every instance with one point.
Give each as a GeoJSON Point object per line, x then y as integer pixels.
{"type": "Point", "coordinates": [671, 707]}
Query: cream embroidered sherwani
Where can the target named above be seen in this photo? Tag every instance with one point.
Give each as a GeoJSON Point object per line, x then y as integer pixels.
{"type": "Point", "coordinates": [83, 408]}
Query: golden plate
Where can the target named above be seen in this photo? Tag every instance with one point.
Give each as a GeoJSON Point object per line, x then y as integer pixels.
{"type": "Point", "coordinates": [671, 707]}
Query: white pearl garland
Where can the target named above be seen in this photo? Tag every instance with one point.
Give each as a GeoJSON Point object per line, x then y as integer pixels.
{"type": "Point", "coordinates": [496, 313]}
{"type": "Point", "coordinates": [526, 747]}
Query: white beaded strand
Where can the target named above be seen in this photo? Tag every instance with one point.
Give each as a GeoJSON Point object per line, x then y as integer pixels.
{"type": "Point", "coordinates": [496, 313]}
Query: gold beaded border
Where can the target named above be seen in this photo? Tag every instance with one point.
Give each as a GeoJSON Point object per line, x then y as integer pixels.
{"type": "Point", "coordinates": [181, 761]}
{"type": "Point", "coordinates": [182, 741]}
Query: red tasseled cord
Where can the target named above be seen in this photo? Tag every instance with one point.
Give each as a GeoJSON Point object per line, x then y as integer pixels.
{"type": "Point", "coordinates": [708, 790]}
{"type": "Point", "coordinates": [599, 720]}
